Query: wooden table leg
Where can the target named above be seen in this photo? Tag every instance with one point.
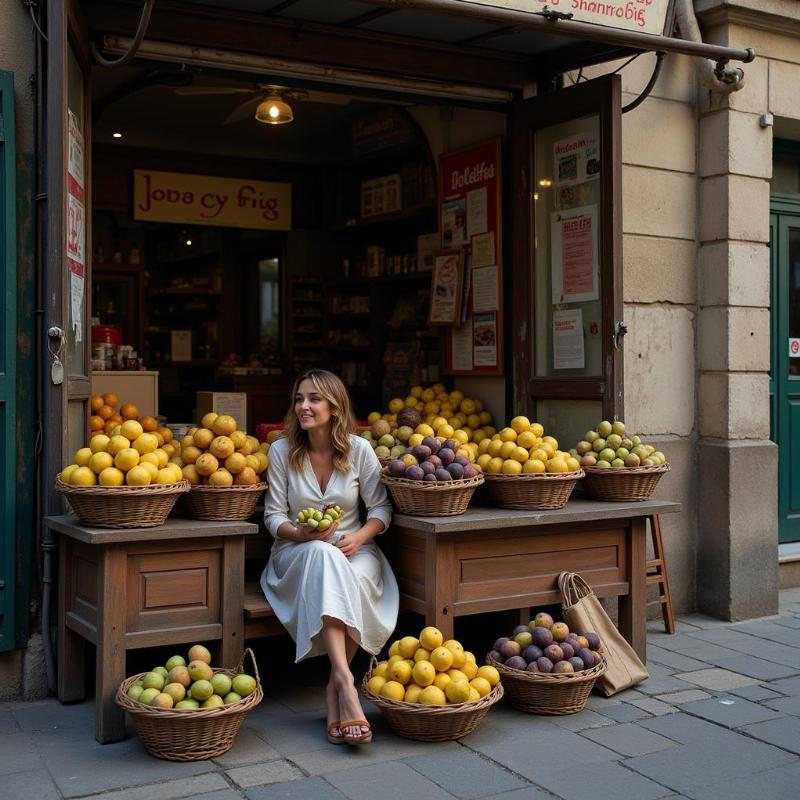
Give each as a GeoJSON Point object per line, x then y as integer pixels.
{"type": "Point", "coordinates": [632, 608]}
{"type": "Point", "coordinates": [232, 595]}
{"type": "Point", "coordinates": [71, 646]}
{"type": "Point", "coordinates": [443, 595]}
{"type": "Point", "coordinates": [111, 609]}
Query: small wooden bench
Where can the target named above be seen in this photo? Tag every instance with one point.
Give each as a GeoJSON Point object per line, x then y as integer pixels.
{"type": "Point", "coordinates": [259, 618]}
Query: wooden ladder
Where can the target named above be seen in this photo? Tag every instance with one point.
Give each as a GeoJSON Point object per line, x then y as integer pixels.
{"type": "Point", "coordinates": [656, 573]}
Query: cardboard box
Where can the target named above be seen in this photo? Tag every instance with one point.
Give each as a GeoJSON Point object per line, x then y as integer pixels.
{"type": "Point", "coordinates": [233, 403]}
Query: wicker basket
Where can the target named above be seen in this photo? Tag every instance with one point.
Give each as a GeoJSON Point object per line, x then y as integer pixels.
{"type": "Point", "coordinates": [122, 506]}
{"type": "Point", "coordinates": [429, 499]}
{"type": "Point", "coordinates": [545, 692]}
{"type": "Point", "coordinates": [191, 735]}
{"type": "Point", "coordinates": [222, 502]}
{"type": "Point", "coordinates": [431, 723]}
{"type": "Point", "coordinates": [535, 491]}
{"type": "Point", "coordinates": [629, 484]}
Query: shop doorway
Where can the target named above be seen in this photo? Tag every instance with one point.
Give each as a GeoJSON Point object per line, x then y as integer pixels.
{"type": "Point", "coordinates": [785, 372]}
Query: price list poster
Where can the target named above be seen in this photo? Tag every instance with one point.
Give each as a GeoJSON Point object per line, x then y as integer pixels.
{"type": "Point", "coordinates": [470, 217]}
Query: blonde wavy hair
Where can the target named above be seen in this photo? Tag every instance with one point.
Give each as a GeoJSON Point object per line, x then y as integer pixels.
{"type": "Point", "coordinates": [330, 388]}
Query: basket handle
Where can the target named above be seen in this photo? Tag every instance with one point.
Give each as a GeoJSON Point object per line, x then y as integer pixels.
{"type": "Point", "coordinates": [240, 666]}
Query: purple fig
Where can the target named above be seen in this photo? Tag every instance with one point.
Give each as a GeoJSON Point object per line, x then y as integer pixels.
{"type": "Point", "coordinates": [554, 653]}
{"type": "Point", "coordinates": [532, 652]}
{"type": "Point", "coordinates": [432, 443]}
{"type": "Point", "coordinates": [594, 640]}
{"type": "Point", "coordinates": [470, 471]}
{"type": "Point", "coordinates": [577, 664]}
{"type": "Point", "coordinates": [510, 648]}
{"type": "Point", "coordinates": [568, 650]}
{"type": "Point", "coordinates": [420, 452]}
{"type": "Point", "coordinates": [396, 468]}
{"type": "Point", "coordinates": [501, 641]}
{"type": "Point", "coordinates": [542, 637]}
{"type": "Point", "coordinates": [533, 667]}
{"type": "Point", "coordinates": [435, 460]}
{"type": "Point", "coordinates": [495, 655]}
{"type": "Point", "coordinates": [456, 470]}
{"type": "Point", "coordinates": [520, 629]}
{"type": "Point", "coordinates": [415, 473]}
{"type": "Point", "coordinates": [517, 662]}
{"type": "Point", "coordinates": [427, 467]}
{"type": "Point", "coordinates": [544, 664]}
{"type": "Point", "coordinates": [563, 667]}
{"type": "Point", "coordinates": [429, 476]}
{"type": "Point", "coordinates": [450, 444]}
{"type": "Point", "coordinates": [442, 474]}
{"type": "Point", "coordinates": [447, 455]}
{"type": "Point", "coordinates": [463, 460]}
{"type": "Point", "coordinates": [587, 656]}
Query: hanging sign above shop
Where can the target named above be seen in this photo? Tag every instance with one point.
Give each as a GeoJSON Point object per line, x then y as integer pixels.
{"type": "Point", "coordinates": [207, 200]}
{"type": "Point", "coordinates": [645, 16]}
{"type": "Point", "coordinates": [380, 131]}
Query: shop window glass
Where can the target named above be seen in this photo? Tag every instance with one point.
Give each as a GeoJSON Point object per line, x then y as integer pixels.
{"type": "Point", "coordinates": [567, 287]}
{"type": "Point", "coordinates": [568, 420]}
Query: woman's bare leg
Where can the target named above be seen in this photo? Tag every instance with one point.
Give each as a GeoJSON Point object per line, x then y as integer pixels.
{"type": "Point", "coordinates": [341, 649]}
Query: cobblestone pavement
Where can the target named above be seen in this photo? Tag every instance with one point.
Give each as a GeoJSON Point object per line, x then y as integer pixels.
{"type": "Point", "coordinates": [718, 718]}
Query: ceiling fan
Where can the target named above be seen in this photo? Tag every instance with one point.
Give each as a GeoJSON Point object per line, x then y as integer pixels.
{"type": "Point", "coordinates": [266, 102]}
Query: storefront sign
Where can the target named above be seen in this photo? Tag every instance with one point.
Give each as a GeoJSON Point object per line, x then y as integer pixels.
{"type": "Point", "coordinates": [207, 200]}
{"type": "Point", "coordinates": [645, 16]}
{"type": "Point", "coordinates": [469, 219]}
{"type": "Point", "coordinates": [381, 131]}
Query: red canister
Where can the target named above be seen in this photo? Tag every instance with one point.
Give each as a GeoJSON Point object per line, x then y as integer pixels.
{"type": "Point", "coordinates": [106, 334]}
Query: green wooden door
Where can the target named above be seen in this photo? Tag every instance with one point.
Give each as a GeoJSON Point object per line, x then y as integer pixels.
{"type": "Point", "coordinates": [8, 350]}
{"type": "Point", "coordinates": [785, 375]}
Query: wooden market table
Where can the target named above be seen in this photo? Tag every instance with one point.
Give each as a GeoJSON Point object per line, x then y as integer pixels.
{"type": "Point", "coordinates": [127, 588]}
{"type": "Point", "coordinates": [492, 559]}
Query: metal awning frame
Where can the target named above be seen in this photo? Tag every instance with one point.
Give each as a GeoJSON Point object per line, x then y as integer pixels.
{"type": "Point", "coordinates": [543, 21]}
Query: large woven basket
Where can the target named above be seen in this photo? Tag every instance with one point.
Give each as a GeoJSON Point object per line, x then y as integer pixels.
{"type": "Point", "coordinates": [193, 734]}
{"type": "Point", "coordinates": [629, 484]}
{"type": "Point", "coordinates": [222, 502]}
{"type": "Point", "coordinates": [534, 491]}
{"type": "Point", "coordinates": [122, 506]}
{"type": "Point", "coordinates": [429, 499]}
{"type": "Point", "coordinates": [545, 692]}
{"type": "Point", "coordinates": [431, 723]}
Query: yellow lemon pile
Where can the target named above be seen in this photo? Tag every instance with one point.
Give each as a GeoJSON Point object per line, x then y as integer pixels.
{"type": "Point", "coordinates": [430, 411]}
{"type": "Point", "coordinates": [129, 455]}
{"type": "Point", "coordinates": [431, 671]}
{"type": "Point", "coordinates": [521, 448]}
{"type": "Point", "coordinates": [216, 453]}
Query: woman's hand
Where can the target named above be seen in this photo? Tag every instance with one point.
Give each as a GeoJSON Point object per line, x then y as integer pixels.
{"type": "Point", "coordinates": [306, 533]}
{"type": "Point", "coordinates": [350, 543]}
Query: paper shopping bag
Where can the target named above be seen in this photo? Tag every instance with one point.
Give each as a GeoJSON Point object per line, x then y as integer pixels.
{"type": "Point", "coordinates": [583, 612]}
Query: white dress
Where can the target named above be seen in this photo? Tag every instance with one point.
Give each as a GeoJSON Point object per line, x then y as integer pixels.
{"type": "Point", "coordinates": [304, 581]}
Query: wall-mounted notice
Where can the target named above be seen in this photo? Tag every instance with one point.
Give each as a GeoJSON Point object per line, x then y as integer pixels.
{"type": "Point", "coordinates": [574, 256]}
{"type": "Point", "coordinates": [568, 339]}
{"type": "Point", "coordinates": [576, 159]}
{"type": "Point", "coordinates": [470, 218]}
{"type": "Point", "coordinates": [446, 287]}
{"type": "Point", "coordinates": [462, 346]}
{"type": "Point", "coordinates": [645, 16]}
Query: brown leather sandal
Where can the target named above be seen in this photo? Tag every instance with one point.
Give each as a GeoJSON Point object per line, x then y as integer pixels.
{"type": "Point", "coordinates": [340, 739]}
{"type": "Point", "coordinates": [363, 738]}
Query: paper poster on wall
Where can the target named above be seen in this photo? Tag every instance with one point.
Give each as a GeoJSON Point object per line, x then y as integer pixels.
{"type": "Point", "coordinates": [574, 255]}
{"type": "Point", "coordinates": [446, 288]}
{"type": "Point", "coordinates": [794, 348]}
{"type": "Point", "coordinates": [477, 212]}
{"type": "Point", "coordinates": [454, 222]}
{"type": "Point", "coordinates": [568, 350]}
{"type": "Point", "coordinates": [576, 159]}
{"type": "Point", "coordinates": [484, 336]}
{"type": "Point", "coordinates": [483, 250]}
{"type": "Point", "coordinates": [484, 289]}
{"type": "Point", "coordinates": [462, 346]}
{"type": "Point", "coordinates": [76, 287]}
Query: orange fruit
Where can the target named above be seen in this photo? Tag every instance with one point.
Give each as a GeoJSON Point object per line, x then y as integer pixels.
{"type": "Point", "coordinates": [96, 402]}
{"type": "Point", "coordinates": [129, 411]}
{"type": "Point", "coordinates": [105, 412]}
{"type": "Point", "coordinates": [149, 423]}
{"type": "Point", "coordinates": [115, 418]}
{"type": "Point", "coordinates": [97, 423]}
{"type": "Point", "coordinates": [110, 399]}
{"type": "Point", "coordinates": [247, 477]}
{"type": "Point", "coordinates": [166, 433]}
